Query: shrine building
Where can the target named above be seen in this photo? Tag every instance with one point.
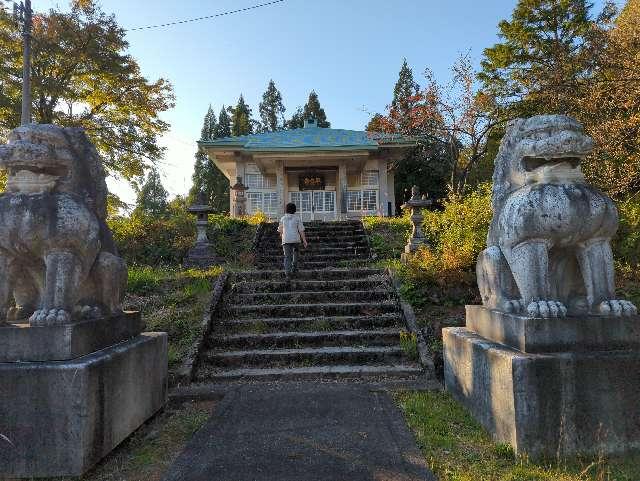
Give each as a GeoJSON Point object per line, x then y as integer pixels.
{"type": "Point", "coordinates": [330, 174]}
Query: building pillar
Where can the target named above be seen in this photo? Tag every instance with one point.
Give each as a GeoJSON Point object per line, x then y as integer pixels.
{"type": "Point", "coordinates": [280, 188]}
{"type": "Point", "coordinates": [383, 182]}
{"type": "Point", "coordinates": [341, 190]}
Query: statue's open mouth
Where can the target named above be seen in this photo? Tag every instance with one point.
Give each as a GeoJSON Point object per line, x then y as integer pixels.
{"type": "Point", "coordinates": [533, 163]}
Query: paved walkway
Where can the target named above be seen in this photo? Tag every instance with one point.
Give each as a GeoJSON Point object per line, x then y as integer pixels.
{"type": "Point", "coordinates": [303, 432]}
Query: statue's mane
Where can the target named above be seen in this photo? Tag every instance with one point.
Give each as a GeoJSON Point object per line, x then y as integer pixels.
{"type": "Point", "coordinates": [501, 174]}
{"type": "Point", "coordinates": [90, 174]}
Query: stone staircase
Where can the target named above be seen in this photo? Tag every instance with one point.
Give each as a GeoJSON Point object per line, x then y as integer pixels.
{"type": "Point", "coordinates": [327, 323]}
{"type": "Point", "coordinates": [330, 243]}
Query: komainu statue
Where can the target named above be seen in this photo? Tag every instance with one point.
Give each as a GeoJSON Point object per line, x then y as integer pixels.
{"type": "Point", "coordinates": [549, 244]}
{"type": "Point", "coordinates": [58, 262]}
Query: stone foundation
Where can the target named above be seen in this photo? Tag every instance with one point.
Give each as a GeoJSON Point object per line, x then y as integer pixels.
{"type": "Point", "coordinates": [583, 399]}
{"type": "Point", "coordinates": [59, 418]}
{"type": "Point", "coordinates": [201, 256]}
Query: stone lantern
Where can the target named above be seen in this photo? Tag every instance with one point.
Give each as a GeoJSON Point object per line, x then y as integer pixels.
{"type": "Point", "coordinates": [416, 203]}
{"type": "Point", "coordinates": [239, 198]}
{"type": "Point", "coordinates": [202, 254]}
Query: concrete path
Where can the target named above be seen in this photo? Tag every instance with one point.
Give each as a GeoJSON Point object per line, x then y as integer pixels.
{"type": "Point", "coordinates": [303, 432]}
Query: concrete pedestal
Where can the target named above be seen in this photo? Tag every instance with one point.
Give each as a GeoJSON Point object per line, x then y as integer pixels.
{"type": "Point", "coordinates": [202, 255]}
{"type": "Point", "coordinates": [59, 418]}
{"type": "Point", "coordinates": [582, 398]}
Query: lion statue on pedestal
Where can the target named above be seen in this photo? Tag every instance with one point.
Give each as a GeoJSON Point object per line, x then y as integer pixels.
{"type": "Point", "coordinates": [549, 244]}
{"type": "Point", "coordinates": [58, 261]}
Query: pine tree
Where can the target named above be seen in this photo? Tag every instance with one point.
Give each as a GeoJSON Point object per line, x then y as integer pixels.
{"type": "Point", "coordinates": [209, 126]}
{"type": "Point", "coordinates": [152, 196]}
{"type": "Point", "coordinates": [271, 109]}
{"type": "Point", "coordinates": [241, 123]}
{"type": "Point", "coordinates": [297, 120]}
{"type": "Point", "coordinates": [544, 56]}
{"type": "Point", "coordinates": [312, 109]}
{"type": "Point", "coordinates": [207, 178]}
{"type": "Point", "coordinates": [223, 129]}
{"type": "Point", "coordinates": [406, 88]}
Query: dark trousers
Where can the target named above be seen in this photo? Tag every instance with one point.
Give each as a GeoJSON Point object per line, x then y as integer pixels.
{"type": "Point", "coordinates": [290, 257]}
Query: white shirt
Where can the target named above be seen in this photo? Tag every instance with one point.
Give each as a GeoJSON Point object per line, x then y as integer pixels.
{"type": "Point", "coordinates": [290, 228]}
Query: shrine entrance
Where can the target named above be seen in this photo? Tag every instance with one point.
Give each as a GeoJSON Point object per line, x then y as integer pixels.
{"type": "Point", "coordinates": [314, 204]}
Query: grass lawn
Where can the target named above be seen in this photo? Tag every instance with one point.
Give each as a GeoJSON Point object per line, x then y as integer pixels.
{"type": "Point", "coordinates": [457, 448]}
{"type": "Point", "coordinates": [172, 301]}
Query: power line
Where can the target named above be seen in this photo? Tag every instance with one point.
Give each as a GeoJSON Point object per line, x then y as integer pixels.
{"type": "Point", "coordinates": [222, 14]}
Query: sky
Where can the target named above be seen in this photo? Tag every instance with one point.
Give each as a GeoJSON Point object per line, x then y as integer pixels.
{"type": "Point", "coordinates": [348, 51]}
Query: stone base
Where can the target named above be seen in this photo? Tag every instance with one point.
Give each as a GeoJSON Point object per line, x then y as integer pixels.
{"type": "Point", "coordinates": [21, 342]}
{"type": "Point", "coordinates": [547, 404]}
{"type": "Point", "coordinates": [536, 335]}
{"type": "Point", "coordinates": [59, 418]}
{"type": "Point", "coordinates": [201, 256]}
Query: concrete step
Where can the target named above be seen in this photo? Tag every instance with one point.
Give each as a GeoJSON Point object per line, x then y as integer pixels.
{"type": "Point", "coordinates": [311, 285]}
{"type": "Point", "coordinates": [300, 357]}
{"type": "Point", "coordinates": [311, 257]}
{"type": "Point", "coordinates": [389, 371]}
{"type": "Point", "coordinates": [294, 339]}
{"type": "Point", "coordinates": [327, 274]}
{"type": "Point", "coordinates": [317, 249]}
{"type": "Point", "coordinates": [311, 265]}
{"type": "Point", "coordinates": [312, 297]}
{"type": "Point", "coordinates": [311, 310]}
{"type": "Point", "coordinates": [312, 323]}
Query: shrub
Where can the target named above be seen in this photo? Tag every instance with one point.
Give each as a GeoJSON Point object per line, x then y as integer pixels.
{"type": "Point", "coordinates": [144, 239]}
{"type": "Point", "coordinates": [387, 235]}
{"type": "Point", "coordinates": [627, 242]}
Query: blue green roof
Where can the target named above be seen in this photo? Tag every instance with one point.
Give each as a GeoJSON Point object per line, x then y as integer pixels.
{"type": "Point", "coordinates": [309, 138]}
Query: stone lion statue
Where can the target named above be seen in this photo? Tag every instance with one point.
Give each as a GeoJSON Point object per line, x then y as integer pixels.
{"type": "Point", "coordinates": [549, 244]}
{"type": "Point", "coordinates": [58, 261]}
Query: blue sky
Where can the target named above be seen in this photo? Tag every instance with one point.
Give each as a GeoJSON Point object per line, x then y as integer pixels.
{"type": "Point", "coordinates": [349, 51]}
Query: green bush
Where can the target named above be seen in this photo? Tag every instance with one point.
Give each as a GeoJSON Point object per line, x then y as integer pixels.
{"type": "Point", "coordinates": [387, 235]}
{"type": "Point", "coordinates": [164, 240]}
{"type": "Point", "coordinates": [627, 242]}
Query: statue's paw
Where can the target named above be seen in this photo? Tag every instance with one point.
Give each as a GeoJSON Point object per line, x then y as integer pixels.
{"type": "Point", "coordinates": [513, 307]}
{"type": "Point", "coordinates": [49, 317]}
{"type": "Point", "coordinates": [89, 312]}
{"type": "Point", "coordinates": [546, 309]}
{"type": "Point", "coordinates": [617, 308]}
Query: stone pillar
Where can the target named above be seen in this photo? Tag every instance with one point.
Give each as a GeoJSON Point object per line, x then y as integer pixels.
{"type": "Point", "coordinates": [280, 186]}
{"type": "Point", "coordinates": [240, 168]}
{"type": "Point", "coordinates": [417, 238]}
{"type": "Point", "coordinates": [202, 254]}
{"type": "Point", "coordinates": [383, 194]}
{"type": "Point", "coordinates": [341, 190]}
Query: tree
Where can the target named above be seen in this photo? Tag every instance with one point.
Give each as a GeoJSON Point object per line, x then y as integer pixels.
{"type": "Point", "coordinates": [544, 56]}
{"type": "Point", "coordinates": [241, 123]}
{"type": "Point", "coordinates": [209, 125]}
{"type": "Point", "coordinates": [297, 120]}
{"type": "Point", "coordinates": [610, 110]}
{"type": "Point", "coordinates": [405, 94]}
{"type": "Point", "coordinates": [312, 109]}
{"type": "Point", "coordinates": [83, 76]}
{"type": "Point", "coordinates": [223, 129]}
{"type": "Point", "coordinates": [456, 123]}
{"type": "Point", "coordinates": [271, 109]}
{"type": "Point", "coordinates": [152, 196]}
{"type": "Point", "coordinates": [207, 178]}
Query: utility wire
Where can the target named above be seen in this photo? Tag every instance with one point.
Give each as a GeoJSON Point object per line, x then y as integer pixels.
{"type": "Point", "coordinates": [222, 14]}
